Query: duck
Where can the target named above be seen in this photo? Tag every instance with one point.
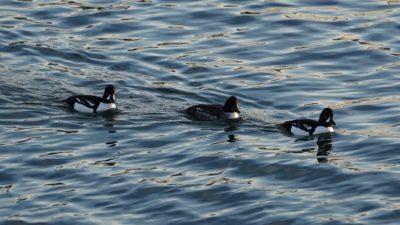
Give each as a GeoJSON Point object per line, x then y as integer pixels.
{"type": "Point", "coordinates": [308, 127]}
{"type": "Point", "coordinates": [93, 104]}
{"type": "Point", "coordinates": [209, 112]}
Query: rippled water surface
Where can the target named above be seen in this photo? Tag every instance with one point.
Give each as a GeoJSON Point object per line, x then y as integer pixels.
{"type": "Point", "coordinates": [149, 164]}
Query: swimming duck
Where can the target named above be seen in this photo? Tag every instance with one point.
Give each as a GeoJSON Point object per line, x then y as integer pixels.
{"type": "Point", "coordinates": [305, 127]}
{"type": "Point", "coordinates": [207, 112]}
{"type": "Point", "coordinates": [92, 104]}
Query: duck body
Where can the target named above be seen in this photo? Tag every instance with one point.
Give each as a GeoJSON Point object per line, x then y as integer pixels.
{"type": "Point", "coordinates": [209, 112]}
{"type": "Point", "coordinates": [205, 112]}
{"type": "Point", "coordinates": [92, 104]}
{"type": "Point", "coordinates": [307, 127]}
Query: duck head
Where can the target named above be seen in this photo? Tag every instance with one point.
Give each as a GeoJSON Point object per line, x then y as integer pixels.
{"type": "Point", "coordinates": [109, 94]}
{"type": "Point", "coordinates": [231, 109]}
{"type": "Point", "coordinates": [326, 117]}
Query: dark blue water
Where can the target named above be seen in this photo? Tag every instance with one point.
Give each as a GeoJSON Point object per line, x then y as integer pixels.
{"type": "Point", "coordinates": [149, 164]}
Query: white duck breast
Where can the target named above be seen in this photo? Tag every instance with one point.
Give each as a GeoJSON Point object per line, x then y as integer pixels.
{"type": "Point", "coordinates": [321, 130]}
{"type": "Point", "coordinates": [231, 115]}
{"type": "Point", "coordinates": [105, 106]}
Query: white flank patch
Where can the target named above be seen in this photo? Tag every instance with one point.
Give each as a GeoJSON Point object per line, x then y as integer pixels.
{"type": "Point", "coordinates": [321, 130]}
{"type": "Point", "coordinates": [82, 108]}
{"type": "Point", "coordinates": [297, 131]}
{"type": "Point", "coordinates": [233, 115]}
{"type": "Point", "coordinates": [105, 106]}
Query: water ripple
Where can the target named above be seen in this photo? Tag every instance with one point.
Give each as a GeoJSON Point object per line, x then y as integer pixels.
{"type": "Point", "coordinates": [148, 163]}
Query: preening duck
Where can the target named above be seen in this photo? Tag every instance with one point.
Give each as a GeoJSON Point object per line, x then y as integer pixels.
{"type": "Point", "coordinates": [305, 127]}
{"type": "Point", "coordinates": [92, 104]}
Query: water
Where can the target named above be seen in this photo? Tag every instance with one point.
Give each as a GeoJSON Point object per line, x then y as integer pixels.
{"type": "Point", "coordinates": [149, 164]}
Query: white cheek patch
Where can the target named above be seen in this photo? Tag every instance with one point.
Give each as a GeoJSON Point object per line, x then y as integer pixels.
{"type": "Point", "coordinates": [232, 115]}
{"type": "Point", "coordinates": [112, 97]}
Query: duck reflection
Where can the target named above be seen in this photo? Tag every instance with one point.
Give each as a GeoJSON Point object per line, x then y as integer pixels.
{"type": "Point", "coordinates": [232, 126]}
{"type": "Point", "coordinates": [324, 142]}
{"type": "Point", "coordinates": [109, 121]}
{"type": "Point", "coordinates": [232, 138]}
